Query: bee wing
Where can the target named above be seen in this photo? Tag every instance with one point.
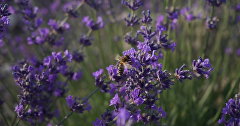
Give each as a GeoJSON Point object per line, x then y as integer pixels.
{"type": "Point", "coordinates": [127, 66]}
{"type": "Point", "coordinates": [118, 57]}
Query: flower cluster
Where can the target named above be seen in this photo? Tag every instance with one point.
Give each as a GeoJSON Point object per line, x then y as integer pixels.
{"type": "Point", "coordinates": [40, 84]}
{"type": "Point", "coordinates": [135, 91]}
{"type": "Point", "coordinates": [231, 112]}
{"type": "Point", "coordinates": [132, 19]}
{"type": "Point", "coordinates": [29, 13]}
{"type": "Point", "coordinates": [42, 35]}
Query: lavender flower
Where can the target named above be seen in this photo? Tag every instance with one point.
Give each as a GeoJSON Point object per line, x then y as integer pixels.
{"type": "Point", "coordinates": [216, 3]}
{"type": "Point", "coordinates": [201, 67]}
{"type": "Point", "coordinates": [182, 74]}
{"type": "Point", "coordinates": [173, 13]}
{"type": "Point", "coordinates": [237, 8]}
{"type": "Point", "coordinates": [106, 118]}
{"type": "Point", "coordinates": [39, 37]}
{"type": "Point", "coordinates": [85, 40]}
{"type": "Point", "coordinates": [146, 32]}
{"type": "Point", "coordinates": [4, 10]}
{"type": "Point", "coordinates": [99, 122]}
{"type": "Point", "coordinates": [78, 56]}
{"type": "Point", "coordinates": [231, 112]}
{"type": "Point", "coordinates": [229, 51]}
{"type": "Point", "coordinates": [4, 20]}
{"type": "Point", "coordinates": [238, 52]}
{"type": "Point", "coordinates": [146, 17]}
{"type": "Point", "coordinates": [212, 23]}
{"type": "Point", "coordinates": [96, 4]}
{"type": "Point", "coordinates": [29, 13]}
{"type": "Point", "coordinates": [188, 14]}
{"type": "Point", "coordinates": [163, 40]}
{"type": "Point", "coordinates": [160, 20]}
{"type": "Point", "coordinates": [93, 25]}
{"type": "Point", "coordinates": [58, 27]}
{"type": "Point", "coordinates": [131, 40]}
{"type": "Point", "coordinates": [76, 106]}
{"type": "Point", "coordinates": [123, 117]}
{"type": "Point", "coordinates": [135, 5]}
{"type": "Point", "coordinates": [135, 91]}
{"type": "Point", "coordinates": [132, 20]}
{"type": "Point", "coordinates": [39, 86]}
{"type": "Point", "coordinates": [99, 80]}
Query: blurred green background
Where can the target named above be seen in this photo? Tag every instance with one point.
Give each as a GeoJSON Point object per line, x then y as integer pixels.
{"type": "Point", "coordinates": [195, 102]}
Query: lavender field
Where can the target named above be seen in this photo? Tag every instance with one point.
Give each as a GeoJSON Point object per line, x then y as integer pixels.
{"type": "Point", "coordinates": [120, 63]}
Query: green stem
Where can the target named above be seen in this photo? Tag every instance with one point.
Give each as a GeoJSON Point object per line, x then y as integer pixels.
{"type": "Point", "coordinates": [65, 118]}
{"type": "Point", "coordinates": [9, 91]}
{"type": "Point", "coordinates": [14, 120]}
{"type": "Point", "coordinates": [208, 37]}
{"type": "Point", "coordinates": [67, 17]}
{"type": "Point", "coordinates": [206, 46]}
{"type": "Point", "coordinates": [18, 122]}
{"type": "Point", "coordinates": [4, 118]}
{"type": "Point", "coordinates": [90, 95]}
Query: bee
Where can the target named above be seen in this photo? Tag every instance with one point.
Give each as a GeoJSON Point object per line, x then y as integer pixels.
{"type": "Point", "coordinates": [123, 62]}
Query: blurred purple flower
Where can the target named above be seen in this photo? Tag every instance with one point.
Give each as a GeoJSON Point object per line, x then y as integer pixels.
{"type": "Point", "coordinates": [229, 51]}
{"type": "Point", "coordinates": [216, 3]}
{"type": "Point", "coordinates": [231, 112]}
{"type": "Point", "coordinates": [238, 52]}
{"type": "Point", "coordinates": [122, 117]}
{"type": "Point", "coordinates": [147, 19]}
{"type": "Point", "coordinates": [99, 122]}
{"type": "Point", "coordinates": [85, 40]}
{"type": "Point", "coordinates": [135, 5]}
{"type": "Point", "coordinates": [98, 73]}
{"type": "Point", "coordinates": [115, 100]}
{"type": "Point", "coordinates": [131, 20]}
{"type": "Point", "coordinates": [93, 25]}
{"type": "Point", "coordinates": [212, 23]}
{"type": "Point", "coordinates": [75, 104]}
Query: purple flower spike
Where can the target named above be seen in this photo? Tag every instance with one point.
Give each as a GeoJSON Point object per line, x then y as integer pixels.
{"type": "Point", "coordinates": [99, 122]}
{"type": "Point", "coordinates": [182, 74]}
{"type": "Point", "coordinates": [4, 19]}
{"type": "Point", "coordinates": [76, 106]}
{"type": "Point", "coordinates": [146, 32]}
{"type": "Point", "coordinates": [98, 73]}
{"type": "Point", "coordinates": [85, 40]}
{"type": "Point", "coordinates": [201, 67]}
{"type": "Point", "coordinates": [136, 4]}
{"type": "Point", "coordinates": [216, 3]}
{"type": "Point", "coordinates": [70, 101]}
{"type": "Point", "coordinates": [146, 17]}
{"type": "Point", "coordinates": [231, 112]}
{"type": "Point", "coordinates": [131, 40]}
{"type": "Point", "coordinates": [93, 25]}
{"type": "Point", "coordinates": [212, 23]}
{"type": "Point", "coordinates": [131, 20]}
{"type": "Point", "coordinates": [238, 52]}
